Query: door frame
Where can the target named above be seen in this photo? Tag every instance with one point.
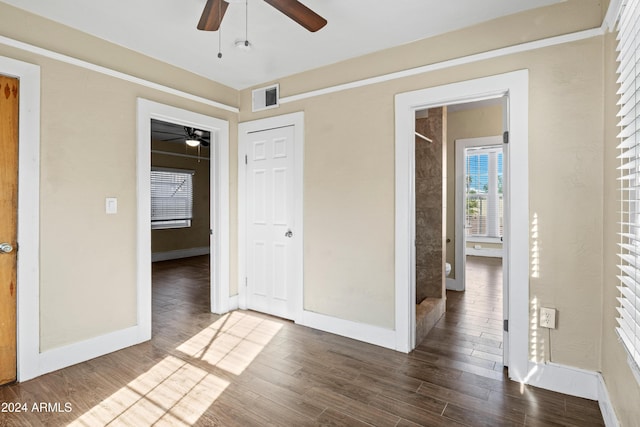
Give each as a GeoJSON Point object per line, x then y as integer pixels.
{"type": "Point", "coordinates": [28, 274]}
{"type": "Point", "coordinates": [459, 283]}
{"type": "Point", "coordinates": [515, 85]}
{"type": "Point", "coordinates": [219, 199]}
{"type": "Point", "coordinates": [297, 121]}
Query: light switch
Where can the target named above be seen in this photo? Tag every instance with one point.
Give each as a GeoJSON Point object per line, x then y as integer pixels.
{"type": "Point", "coordinates": [111, 205]}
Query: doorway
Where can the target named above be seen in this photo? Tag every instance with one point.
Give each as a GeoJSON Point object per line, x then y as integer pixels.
{"type": "Point", "coordinates": [9, 107]}
{"type": "Point", "coordinates": [180, 215]}
{"type": "Point", "coordinates": [514, 86]}
{"type": "Point", "coordinates": [478, 191]}
{"type": "Point", "coordinates": [479, 231]}
{"type": "Point", "coordinates": [459, 190]}
{"type": "Point", "coordinates": [218, 205]}
{"type": "Point", "coordinates": [270, 228]}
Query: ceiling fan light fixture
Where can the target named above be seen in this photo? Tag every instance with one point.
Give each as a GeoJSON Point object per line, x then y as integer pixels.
{"type": "Point", "coordinates": [192, 142]}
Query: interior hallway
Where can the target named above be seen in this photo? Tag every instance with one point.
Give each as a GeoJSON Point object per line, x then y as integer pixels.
{"type": "Point", "coordinates": [248, 369]}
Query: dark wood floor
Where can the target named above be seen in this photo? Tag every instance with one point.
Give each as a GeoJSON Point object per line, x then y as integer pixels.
{"type": "Point", "coordinates": [248, 369]}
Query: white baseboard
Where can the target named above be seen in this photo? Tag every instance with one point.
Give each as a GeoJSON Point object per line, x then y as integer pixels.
{"type": "Point", "coordinates": [606, 408]}
{"type": "Point", "coordinates": [574, 382]}
{"type": "Point", "coordinates": [564, 379]}
{"type": "Point", "coordinates": [346, 328]}
{"type": "Point", "coordinates": [453, 285]}
{"type": "Point", "coordinates": [61, 357]}
{"type": "Point", "coordinates": [233, 303]}
{"type": "Point", "coordinates": [179, 253]}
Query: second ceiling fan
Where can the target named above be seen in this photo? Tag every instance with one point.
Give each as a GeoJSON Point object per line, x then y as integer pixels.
{"type": "Point", "coordinates": [214, 12]}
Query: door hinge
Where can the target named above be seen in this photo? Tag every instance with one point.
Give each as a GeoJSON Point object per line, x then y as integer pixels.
{"type": "Point", "coordinates": [505, 325]}
{"type": "Point", "coordinates": [246, 159]}
{"type": "Point", "coordinates": [211, 232]}
{"type": "Point", "coordinates": [505, 137]}
{"type": "Point", "coordinates": [246, 282]}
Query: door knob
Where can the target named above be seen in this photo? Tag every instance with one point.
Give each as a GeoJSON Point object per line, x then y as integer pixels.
{"type": "Point", "coordinates": [6, 248]}
{"type": "Point", "coordinates": [288, 234]}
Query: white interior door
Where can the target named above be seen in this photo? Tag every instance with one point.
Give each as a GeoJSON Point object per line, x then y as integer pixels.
{"type": "Point", "coordinates": [271, 232]}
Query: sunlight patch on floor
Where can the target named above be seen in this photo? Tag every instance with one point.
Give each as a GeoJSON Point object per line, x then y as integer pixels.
{"type": "Point", "coordinates": [172, 392]}
{"type": "Point", "coordinates": [232, 342]}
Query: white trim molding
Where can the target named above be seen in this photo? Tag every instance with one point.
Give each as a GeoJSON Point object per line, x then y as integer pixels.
{"type": "Point", "coordinates": [113, 73]}
{"type": "Point", "coordinates": [461, 240]}
{"type": "Point", "coordinates": [516, 86]}
{"type": "Point", "coordinates": [606, 407]}
{"type": "Point", "coordinates": [563, 379]}
{"type": "Point", "coordinates": [81, 351]}
{"type": "Point", "coordinates": [28, 274]}
{"type": "Point", "coordinates": [179, 253]}
{"type": "Point", "coordinates": [611, 17]}
{"type": "Point", "coordinates": [496, 53]}
{"type": "Point", "coordinates": [347, 328]}
{"type": "Point", "coordinates": [454, 284]}
{"type": "Point", "coordinates": [219, 189]}
{"type": "Point", "coordinates": [574, 382]}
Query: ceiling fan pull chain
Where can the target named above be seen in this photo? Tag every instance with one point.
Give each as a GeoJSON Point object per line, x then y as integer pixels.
{"type": "Point", "coordinates": [219, 29]}
{"type": "Point", "coordinates": [246, 23]}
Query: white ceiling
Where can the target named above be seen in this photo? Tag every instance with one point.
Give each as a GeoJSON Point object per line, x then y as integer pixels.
{"type": "Point", "coordinates": [166, 30]}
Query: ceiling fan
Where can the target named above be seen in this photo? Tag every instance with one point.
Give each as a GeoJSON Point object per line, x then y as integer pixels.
{"type": "Point", "coordinates": [170, 132]}
{"type": "Point", "coordinates": [196, 137]}
{"type": "Point", "coordinates": [214, 12]}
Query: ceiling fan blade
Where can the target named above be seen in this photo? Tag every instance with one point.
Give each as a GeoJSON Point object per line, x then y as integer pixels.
{"type": "Point", "coordinates": [299, 13]}
{"type": "Point", "coordinates": [212, 15]}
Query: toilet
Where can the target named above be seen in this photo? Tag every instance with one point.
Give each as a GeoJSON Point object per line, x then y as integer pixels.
{"type": "Point", "coordinates": [447, 269]}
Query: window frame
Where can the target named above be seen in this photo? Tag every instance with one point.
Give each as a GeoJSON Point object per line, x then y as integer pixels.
{"type": "Point", "coordinates": [487, 150]}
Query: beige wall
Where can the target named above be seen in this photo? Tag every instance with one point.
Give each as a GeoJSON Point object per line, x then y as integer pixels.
{"type": "Point", "coordinates": [471, 123]}
{"type": "Point", "coordinates": [196, 236]}
{"type": "Point", "coordinates": [564, 18]}
{"type": "Point", "coordinates": [349, 170]}
{"type": "Point", "coordinates": [88, 152]}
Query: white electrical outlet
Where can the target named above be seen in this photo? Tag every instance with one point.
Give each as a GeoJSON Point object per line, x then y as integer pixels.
{"type": "Point", "coordinates": [548, 317]}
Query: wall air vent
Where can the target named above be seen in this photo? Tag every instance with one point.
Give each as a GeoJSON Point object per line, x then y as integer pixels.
{"type": "Point", "coordinates": [265, 98]}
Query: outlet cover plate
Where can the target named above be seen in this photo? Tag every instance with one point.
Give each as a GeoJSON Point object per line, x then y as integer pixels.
{"type": "Point", "coordinates": [547, 317]}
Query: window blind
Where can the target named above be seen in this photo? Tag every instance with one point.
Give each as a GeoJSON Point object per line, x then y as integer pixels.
{"type": "Point", "coordinates": [483, 170]}
{"type": "Point", "coordinates": [171, 198]}
{"type": "Point", "coordinates": [628, 326]}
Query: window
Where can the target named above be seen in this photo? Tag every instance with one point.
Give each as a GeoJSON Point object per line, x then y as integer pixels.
{"type": "Point", "coordinates": [483, 188]}
{"type": "Point", "coordinates": [629, 245]}
{"type": "Point", "coordinates": [171, 198]}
